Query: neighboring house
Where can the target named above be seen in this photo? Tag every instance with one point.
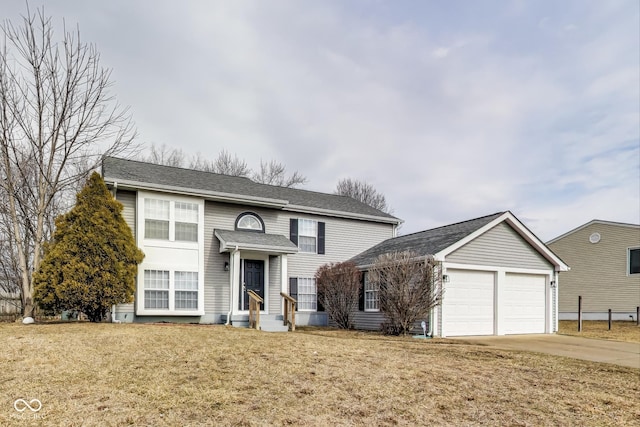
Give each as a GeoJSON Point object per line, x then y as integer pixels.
{"type": "Point", "coordinates": [208, 238]}
{"type": "Point", "coordinates": [498, 278]}
{"type": "Point", "coordinates": [605, 270]}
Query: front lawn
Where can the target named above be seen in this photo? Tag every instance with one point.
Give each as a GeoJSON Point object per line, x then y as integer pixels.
{"type": "Point", "coordinates": [620, 331]}
{"type": "Point", "coordinates": [188, 375]}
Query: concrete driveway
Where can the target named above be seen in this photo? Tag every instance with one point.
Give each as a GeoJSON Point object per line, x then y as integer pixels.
{"type": "Point", "coordinates": [619, 353]}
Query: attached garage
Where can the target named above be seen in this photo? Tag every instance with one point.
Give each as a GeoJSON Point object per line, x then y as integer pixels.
{"type": "Point", "coordinates": [498, 277]}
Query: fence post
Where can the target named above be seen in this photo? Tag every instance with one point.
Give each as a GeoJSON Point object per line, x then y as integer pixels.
{"type": "Point", "coordinates": [609, 319]}
{"type": "Point", "coordinates": [580, 313]}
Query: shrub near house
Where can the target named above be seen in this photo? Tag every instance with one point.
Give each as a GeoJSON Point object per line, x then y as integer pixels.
{"type": "Point", "coordinates": [92, 261]}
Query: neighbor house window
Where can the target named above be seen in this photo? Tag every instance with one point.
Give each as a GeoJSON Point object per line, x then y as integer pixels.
{"type": "Point", "coordinates": [186, 290]}
{"type": "Point", "coordinates": [156, 219]}
{"type": "Point", "coordinates": [634, 260]}
{"type": "Point", "coordinates": [307, 300]}
{"type": "Point", "coordinates": [168, 220]}
{"type": "Point", "coordinates": [156, 289]}
{"type": "Point", "coordinates": [371, 295]}
{"type": "Point", "coordinates": [186, 217]}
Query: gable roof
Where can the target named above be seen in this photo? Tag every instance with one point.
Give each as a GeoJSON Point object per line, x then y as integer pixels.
{"type": "Point", "coordinates": [136, 175]}
{"type": "Point", "coordinates": [251, 240]}
{"type": "Point", "coordinates": [594, 221]}
{"type": "Point", "coordinates": [441, 241]}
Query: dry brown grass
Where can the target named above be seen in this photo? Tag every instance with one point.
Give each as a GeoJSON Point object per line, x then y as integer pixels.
{"type": "Point", "coordinates": [620, 331]}
{"type": "Point", "coordinates": [188, 375]}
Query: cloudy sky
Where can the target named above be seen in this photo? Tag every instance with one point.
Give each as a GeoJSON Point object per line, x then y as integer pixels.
{"type": "Point", "coordinates": [452, 109]}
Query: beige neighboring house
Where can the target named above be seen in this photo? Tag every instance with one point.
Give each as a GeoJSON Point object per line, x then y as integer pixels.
{"type": "Point", "coordinates": [605, 270]}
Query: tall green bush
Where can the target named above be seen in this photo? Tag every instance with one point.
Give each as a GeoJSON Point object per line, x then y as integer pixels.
{"type": "Point", "coordinates": [92, 261]}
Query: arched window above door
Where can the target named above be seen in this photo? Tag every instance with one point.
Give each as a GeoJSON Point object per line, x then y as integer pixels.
{"type": "Point", "coordinates": [250, 221]}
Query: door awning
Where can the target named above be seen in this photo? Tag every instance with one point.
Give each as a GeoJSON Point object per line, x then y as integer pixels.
{"type": "Point", "coordinates": [250, 240]}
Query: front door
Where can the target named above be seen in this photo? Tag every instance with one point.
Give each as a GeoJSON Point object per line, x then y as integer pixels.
{"type": "Point", "coordinates": [253, 280]}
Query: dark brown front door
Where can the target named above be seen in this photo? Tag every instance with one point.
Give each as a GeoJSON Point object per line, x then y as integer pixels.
{"type": "Point", "coordinates": [253, 280]}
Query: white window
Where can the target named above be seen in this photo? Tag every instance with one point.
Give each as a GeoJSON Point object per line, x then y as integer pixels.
{"type": "Point", "coordinates": [249, 222]}
{"type": "Point", "coordinates": [307, 300]}
{"type": "Point", "coordinates": [634, 261]}
{"type": "Point", "coordinates": [167, 220]}
{"type": "Point", "coordinates": [186, 218]}
{"type": "Point", "coordinates": [156, 289]}
{"type": "Point", "coordinates": [307, 235]}
{"type": "Point", "coordinates": [371, 296]}
{"type": "Point", "coordinates": [186, 288]}
{"type": "Point", "coordinates": [156, 219]}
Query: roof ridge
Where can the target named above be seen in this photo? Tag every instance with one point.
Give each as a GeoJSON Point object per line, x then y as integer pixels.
{"type": "Point", "coordinates": [451, 225]}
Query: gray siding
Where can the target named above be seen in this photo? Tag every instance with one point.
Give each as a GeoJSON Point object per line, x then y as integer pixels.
{"type": "Point", "coordinates": [216, 280]}
{"type": "Point", "coordinates": [126, 312]}
{"type": "Point", "coordinates": [275, 285]}
{"type": "Point", "coordinates": [128, 200]}
{"type": "Point", "coordinates": [369, 320]}
{"type": "Point", "coordinates": [599, 271]}
{"type": "Point", "coordinates": [501, 246]}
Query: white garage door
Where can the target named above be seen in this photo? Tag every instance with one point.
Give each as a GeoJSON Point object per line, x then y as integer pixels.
{"type": "Point", "coordinates": [467, 304]}
{"type": "Point", "coordinates": [524, 304]}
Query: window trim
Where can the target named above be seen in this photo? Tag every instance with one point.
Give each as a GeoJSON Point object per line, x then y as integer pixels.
{"type": "Point", "coordinates": [172, 290]}
{"type": "Point", "coordinates": [629, 250]}
{"type": "Point", "coordinates": [297, 280]}
{"type": "Point", "coordinates": [172, 220]}
{"type": "Point", "coordinates": [320, 235]}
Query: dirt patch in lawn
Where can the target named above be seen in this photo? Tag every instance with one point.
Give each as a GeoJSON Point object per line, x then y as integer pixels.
{"type": "Point", "coordinates": [188, 375]}
{"type": "Point", "coordinates": [620, 331]}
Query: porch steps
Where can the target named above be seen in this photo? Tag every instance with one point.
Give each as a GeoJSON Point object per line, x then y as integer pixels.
{"type": "Point", "coordinates": [268, 322]}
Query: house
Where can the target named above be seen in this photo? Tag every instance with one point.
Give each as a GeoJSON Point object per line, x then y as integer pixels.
{"type": "Point", "coordinates": [605, 270]}
{"type": "Point", "coordinates": [498, 278]}
{"type": "Point", "coordinates": [208, 239]}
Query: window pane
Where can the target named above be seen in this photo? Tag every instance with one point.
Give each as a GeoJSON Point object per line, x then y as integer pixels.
{"type": "Point", "coordinates": [307, 227]}
{"type": "Point", "coordinates": [156, 299]}
{"type": "Point", "coordinates": [186, 300]}
{"type": "Point", "coordinates": [249, 222]}
{"type": "Point", "coordinates": [187, 280]}
{"type": "Point", "coordinates": [186, 212]}
{"type": "Point", "coordinates": [186, 232]}
{"type": "Point", "coordinates": [156, 279]}
{"type": "Point", "coordinates": [155, 229]}
{"type": "Point", "coordinates": [156, 209]}
{"type": "Point", "coordinates": [307, 244]}
{"type": "Point", "coordinates": [634, 261]}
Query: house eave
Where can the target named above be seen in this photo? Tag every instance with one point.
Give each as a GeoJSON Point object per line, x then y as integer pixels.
{"type": "Point", "coordinates": [341, 214]}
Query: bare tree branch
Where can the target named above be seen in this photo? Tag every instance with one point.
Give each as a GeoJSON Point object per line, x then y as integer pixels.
{"type": "Point", "coordinates": [274, 173]}
{"type": "Point", "coordinates": [363, 192]}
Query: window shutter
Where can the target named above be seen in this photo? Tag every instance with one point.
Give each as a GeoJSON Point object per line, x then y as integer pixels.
{"type": "Point", "coordinates": [293, 230]}
{"type": "Point", "coordinates": [361, 294]}
{"type": "Point", "coordinates": [321, 238]}
{"type": "Point", "coordinates": [293, 289]}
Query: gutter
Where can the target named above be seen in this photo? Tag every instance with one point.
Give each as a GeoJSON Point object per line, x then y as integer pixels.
{"type": "Point", "coordinates": [231, 288]}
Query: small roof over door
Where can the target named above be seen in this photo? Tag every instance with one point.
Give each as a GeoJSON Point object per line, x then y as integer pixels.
{"type": "Point", "coordinates": [249, 240]}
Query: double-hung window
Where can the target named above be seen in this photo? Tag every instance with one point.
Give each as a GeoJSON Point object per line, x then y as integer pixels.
{"type": "Point", "coordinates": [307, 299]}
{"type": "Point", "coordinates": [156, 289]}
{"type": "Point", "coordinates": [308, 235]}
{"type": "Point", "coordinates": [371, 296]}
{"type": "Point", "coordinates": [156, 219]}
{"type": "Point", "coordinates": [186, 288]}
{"type": "Point", "coordinates": [634, 261]}
{"type": "Point", "coordinates": [170, 220]}
{"type": "Point", "coordinates": [161, 293]}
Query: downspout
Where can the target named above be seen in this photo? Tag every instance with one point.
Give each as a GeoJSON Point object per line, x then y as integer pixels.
{"type": "Point", "coordinates": [231, 270]}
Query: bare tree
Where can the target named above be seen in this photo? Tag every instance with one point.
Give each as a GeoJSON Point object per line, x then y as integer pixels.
{"type": "Point", "coordinates": [410, 286]}
{"type": "Point", "coordinates": [338, 291]}
{"type": "Point", "coordinates": [364, 192]}
{"type": "Point", "coordinates": [164, 155]}
{"type": "Point", "coordinates": [224, 164]}
{"type": "Point", "coordinates": [274, 173]}
{"type": "Point", "coordinates": [57, 119]}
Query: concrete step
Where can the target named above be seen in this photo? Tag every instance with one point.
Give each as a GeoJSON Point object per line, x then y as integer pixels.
{"type": "Point", "coordinates": [273, 326]}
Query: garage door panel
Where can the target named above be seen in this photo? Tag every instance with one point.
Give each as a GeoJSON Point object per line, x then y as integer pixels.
{"type": "Point", "coordinates": [468, 303]}
{"type": "Point", "coordinates": [524, 304]}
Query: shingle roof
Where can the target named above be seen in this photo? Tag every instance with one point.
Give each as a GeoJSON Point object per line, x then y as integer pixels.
{"type": "Point", "coordinates": [169, 178]}
{"type": "Point", "coordinates": [424, 243]}
{"type": "Point", "coordinates": [253, 240]}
